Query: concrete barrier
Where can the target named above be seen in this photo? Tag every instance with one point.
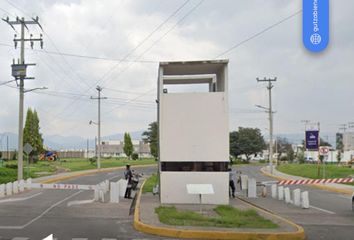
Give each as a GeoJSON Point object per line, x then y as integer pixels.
{"type": "Point", "coordinates": [305, 203]}
{"type": "Point", "coordinates": [21, 185]}
{"type": "Point", "coordinates": [297, 197]}
{"type": "Point", "coordinates": [2, 190]}
{"type": "Point", "coordinates": [244, 182]}
{"type": "Point", "coordinates": [15, 187]}
{"type": "Point", "coordinates": [280, 193]}
{"type": "Point", "coordinates": [9, 189]}
{"type": "Point", "coordinates": [122, 187]}
{"type": "Point", "coordinates": [96, 194]}
{"type": "Point", "coordinates": [287, 195]}
{"type": "Point", "coordinates": [252, 188]}
{"type": "Point", "coordinates": [274, 191]}
{"type": "Point", "coordinates": [114, 192]}
{"type": "Point", "coordinates": [29, 183]}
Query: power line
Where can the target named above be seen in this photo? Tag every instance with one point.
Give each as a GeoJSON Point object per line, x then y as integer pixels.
{"type": "Point", "coordinates": [130, 52]}
{"type": "Point", "coordinates": [259, 33]}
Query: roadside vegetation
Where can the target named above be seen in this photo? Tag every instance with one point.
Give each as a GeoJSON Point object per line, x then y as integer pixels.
{"type": "Point", "coordinates": [228, 216]}
{"type": "Point", "coordinates": [150, 183]}
{"type": "Point", "coordinates": [8, 172]}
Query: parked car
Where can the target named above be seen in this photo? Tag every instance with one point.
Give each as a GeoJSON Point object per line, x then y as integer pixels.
{"type": "Point", "coordinates": [257, 158]}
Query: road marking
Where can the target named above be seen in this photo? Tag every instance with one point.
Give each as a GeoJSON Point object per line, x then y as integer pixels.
{"type": "Point", "coordinates": [20, 238]}
{"type": "Point", "coordinates": [43, 213]}
{"type": "Point", "coordinates": [79, 202]}
{"type": "Point", "coordinates": [20, 199]}
{"type": "Point", "coordinates": [323, 210]}
{"type": "Point", "coordinates": [79, 238]}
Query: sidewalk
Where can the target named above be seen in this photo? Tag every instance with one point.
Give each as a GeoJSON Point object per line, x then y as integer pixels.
{"type": "Point", "coordinates": [146, 220]}
{"type": "Point", "coordinates": [340, 188]}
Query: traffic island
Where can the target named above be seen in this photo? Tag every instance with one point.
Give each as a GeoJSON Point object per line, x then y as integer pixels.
{"type": "Point", "coordinates": [215, 222]}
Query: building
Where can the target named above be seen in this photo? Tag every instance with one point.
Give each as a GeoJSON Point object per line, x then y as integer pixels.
{"type": "Point", "coordinates": [114, 148]}
{"type": "Point", "coordinates": [193, 131]}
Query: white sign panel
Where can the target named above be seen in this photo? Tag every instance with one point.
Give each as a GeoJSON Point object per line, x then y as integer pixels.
{"type": "Point", "coordinates": [200, 189]}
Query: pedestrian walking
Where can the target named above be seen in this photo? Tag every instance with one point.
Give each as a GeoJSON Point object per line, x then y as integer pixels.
{"type": "Point", "coordinates": [232, 187]}
{"type": "Point", "coordinates": [128, 176]}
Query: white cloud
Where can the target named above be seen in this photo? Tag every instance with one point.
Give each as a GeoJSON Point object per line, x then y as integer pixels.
{"type": "Point", "coordinates": [309, 86]}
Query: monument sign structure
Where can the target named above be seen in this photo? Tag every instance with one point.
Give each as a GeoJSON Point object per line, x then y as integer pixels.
{"type": "Point", "coordinates": [193, 130]}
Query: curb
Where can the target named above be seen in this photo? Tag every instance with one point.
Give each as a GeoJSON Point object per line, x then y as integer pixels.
{"type": "Point", "coordinates": [89, 172]}
{"type": "Point", "coordinates": [200, 234]}
{"type": "Point", "coordinates": [322, 187]}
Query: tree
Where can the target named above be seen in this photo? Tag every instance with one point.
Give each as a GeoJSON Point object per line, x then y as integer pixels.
{"type": "Point", "coordinates": [128, 145]}
{"type": "Point", "coordinates": [235, 150]}
{"type": "Point", "coordinates": [151, 136]}
{"type": "Point", "coordinates": [247, 141]}
{"type": "Point", "coordinates": [324, 143]}
{"type": "Point", "coordinates": [283, 146]}
{"type": "Point", "coordinates": [31, 133]}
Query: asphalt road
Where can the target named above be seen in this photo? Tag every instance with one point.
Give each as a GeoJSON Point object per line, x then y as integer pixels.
{"type": "Point", "coordinates": [47, 212]}
{"type": "Point", "coordinates": [329, 217]}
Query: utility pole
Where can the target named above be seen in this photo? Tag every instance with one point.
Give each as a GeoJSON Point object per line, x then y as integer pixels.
{"type": "Point", "coordinates": [87, 149]}
{"type": "Point", "coordinates": [19, 72]}
{"type": "Point", "coordinates": [7, 147]}
{"type": "Point", "coordinates": [99, 89]}
{"type": "Point", "coordinates": [270, 111]}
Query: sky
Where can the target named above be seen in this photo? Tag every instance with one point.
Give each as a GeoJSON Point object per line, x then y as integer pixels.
{"type": "Point", "coordinates": [117, 44]}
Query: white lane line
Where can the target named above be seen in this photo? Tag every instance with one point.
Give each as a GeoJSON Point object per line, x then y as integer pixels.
{"type": "Point", "coordinates": [323, 210]}
{"type": "Point", "coordinates": [79, 202]}
{"type": "Point", "coordinates": [20, 199]}
{"type": "Point", "coordinates": [43, 213]}
{"type": "Point", "coordinates": [19, 238]}
{"type": "Point", "coordinates": [79, 238]}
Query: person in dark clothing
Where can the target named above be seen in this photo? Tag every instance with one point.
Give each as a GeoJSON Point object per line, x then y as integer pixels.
{"type": "Point", "coordinates": [232, 187]}
{"type": "Point", "coordinates": [128, 176]}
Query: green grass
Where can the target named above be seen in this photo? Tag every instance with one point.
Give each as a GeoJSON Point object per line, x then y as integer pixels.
{"type": "Point", "coordinates": [228, 217]}
{"type": "Point", "coordinates": [44, 168]}
{"type": "Point", "coordinates": [150, 183]}
{"type": "Point", "coordinates": [7, 175]}
{"type": "Point", "coordinates": [310, 170]}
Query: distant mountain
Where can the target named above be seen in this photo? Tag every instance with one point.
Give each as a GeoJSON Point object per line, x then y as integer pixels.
{"type": "Point", "coordinates": [59, 142]}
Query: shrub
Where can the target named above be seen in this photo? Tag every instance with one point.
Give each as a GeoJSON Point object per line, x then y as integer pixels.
{"type": "Point", "coordinates": [93, 160]}
{"type": "Point", "coordinates": [11, 165]}
{"type": "Point", "coordinates": [135, 156]}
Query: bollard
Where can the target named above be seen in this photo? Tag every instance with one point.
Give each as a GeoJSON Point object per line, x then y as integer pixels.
{"type": "Point", "coordinates": [96, 194]}
{"type": "Point", "coordinates": [15, 187]}
{"type": "Point", "coordinates": [21, 185]}
{"type": "Point", "coordinates": [101, 192]}
{"type": "Point", "coordinates": [8, 189]}
{"type": "Point", "coordinates": [122, 187]}
{"type": "Point", "coordinates": [244, 182]}
{"type": "Point", "coordinates": [305, 203]}
{"type": "Point", "coordinates": [106, 186]}
{"type": "Point", "coordinates": [252, 188]}
{"type": "Point", "coordinates": [274, 191]}
{"type": "Point", "coordinates": [297, 197]}
{"type": "Point", "coordinates": [2, 190]}
{"type": "Point", "coordinates": [29, 183]}
{"type": "Point", "coordinates": [264, 191]}
{"type": "Point", "coordinates": [114, 192]}
{"type": "Point", "coordinates": [287, 195]}
{"type": "Point", "coordinates": [280, 193]}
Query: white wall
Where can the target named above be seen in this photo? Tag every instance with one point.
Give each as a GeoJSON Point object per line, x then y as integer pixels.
{"type": "Point", "coordinates": [174, 190]}
{"type": "Point", "coordinates": [194, 127]}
